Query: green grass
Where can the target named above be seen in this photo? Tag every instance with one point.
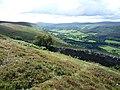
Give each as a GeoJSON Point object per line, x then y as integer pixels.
{"type": "Point", "coordinates": [25, 33]}
{"type": "Point", "coordinates": [75, 39]}
{"type": "Point", "coordinates": [65, 31]}
{"type": "Point", "coordinates": [23, 66]}
{"type": "Point", "coordinates": [111, 49]}
{"type": "Point", "coordinates": [91, 41]}
{"type": "Point", "coordinates": [112, 41]}
{"type": "Point", "coordinates": [29, 44]}
{"type": "Point", "coordinates": [74, 35]}
{"type": "Point", "coordinates": [70, 34]}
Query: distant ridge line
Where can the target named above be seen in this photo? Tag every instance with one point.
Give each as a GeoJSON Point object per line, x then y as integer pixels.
{"type": "Point", "coordinates": [20, 23]}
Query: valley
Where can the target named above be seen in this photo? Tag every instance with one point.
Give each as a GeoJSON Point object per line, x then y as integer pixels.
{"type": "Point", "coordinates": [59, 44]}
{"type": "Point", "coordinates": [92, 36]}
{"type": "Point", "coordinates": [28, 63]}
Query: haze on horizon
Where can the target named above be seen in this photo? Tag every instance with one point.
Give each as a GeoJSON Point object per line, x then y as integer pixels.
{"type": "Point", "coordinates": [60, 11]}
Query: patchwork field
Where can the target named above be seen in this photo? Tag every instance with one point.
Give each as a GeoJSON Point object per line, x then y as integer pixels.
{"type": "Point", "coordinates": [89, 36]}
{"type": "Point", "coordinates": [110, 49]}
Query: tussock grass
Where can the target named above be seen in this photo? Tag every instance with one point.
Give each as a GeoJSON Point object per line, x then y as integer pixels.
{"type": "Point", "coordinates": [24, 67]}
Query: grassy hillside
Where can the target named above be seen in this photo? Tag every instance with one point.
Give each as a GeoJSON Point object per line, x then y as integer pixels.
{"type": "Point", "coordinates": [24, 32]}
{"type": "Point", "coordinates": [25, 66]}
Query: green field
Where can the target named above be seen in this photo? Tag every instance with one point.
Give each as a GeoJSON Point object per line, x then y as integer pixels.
{"type": "Point", "coordinates": [91, 37]}
{"type": "Point", "coordinates": [111, 49]}
{"type": "Point", "coordinates": [93, 41]}
{"type": "Point", "coordinates": [73, 35]}
{"type": "Point", "coordinates": [112, 41]}
{"type": "Point", "coordinates": [70, 34]}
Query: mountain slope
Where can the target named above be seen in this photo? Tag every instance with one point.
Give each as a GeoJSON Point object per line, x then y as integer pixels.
{"type": "Point", "coordinates": [23, 67]}
{"type": "Point", "coordinates": [23, 32]}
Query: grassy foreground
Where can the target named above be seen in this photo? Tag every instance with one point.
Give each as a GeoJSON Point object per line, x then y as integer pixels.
{"type": "Point", "coordinates": [24, 67]}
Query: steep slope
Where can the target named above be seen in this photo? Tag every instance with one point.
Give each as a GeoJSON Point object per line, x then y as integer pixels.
{"type": "Point", "coordinates": [24, 32]}
{"type": "Point", "coordinates": [23, 67]}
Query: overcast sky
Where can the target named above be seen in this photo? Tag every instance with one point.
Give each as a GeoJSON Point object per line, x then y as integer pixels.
{"type": "Point", "coordinates": [60, 11]}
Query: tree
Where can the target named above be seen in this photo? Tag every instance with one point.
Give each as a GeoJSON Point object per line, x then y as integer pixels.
{"type": "Point", "coordinates": [43, 40]}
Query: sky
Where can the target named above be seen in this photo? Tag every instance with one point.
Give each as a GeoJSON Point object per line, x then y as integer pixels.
{"type": "Point", "coordinates": [60, 11]}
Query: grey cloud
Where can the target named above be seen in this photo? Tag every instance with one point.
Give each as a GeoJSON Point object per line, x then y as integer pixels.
{"type": "Point", "coordinates": [113, 17]}
{"type": "Point", "coordinates": [84, 8]}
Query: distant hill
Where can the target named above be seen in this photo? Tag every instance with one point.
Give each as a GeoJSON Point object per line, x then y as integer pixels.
{"type": "Point", "coordinates": [74, 26]}
{"type": "Point", "coordinates": [108, 22]}
{"type": "Point", "coordinates": [24, 31]}
{"type": "Point", "coordinates": [20, 23]}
